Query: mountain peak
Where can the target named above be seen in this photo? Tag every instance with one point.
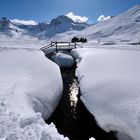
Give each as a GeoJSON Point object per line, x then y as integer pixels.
{"type": "Point", "coordinates": [7, 27]}
{"type": "Point", "coordinates": [61, 19]}
{"type": "Point", "coordinates": [4, 22]}
{"type": "Point", "coordinates": [132, 12]}
{"type": "Point", "coordinates": [62, 24]}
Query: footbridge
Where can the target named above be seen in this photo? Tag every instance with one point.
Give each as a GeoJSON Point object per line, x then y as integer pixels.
{"type": "Point", "coordinates": [60, 46]}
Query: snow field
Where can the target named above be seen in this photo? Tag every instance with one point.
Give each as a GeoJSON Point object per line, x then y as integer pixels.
{"type": "Point", "coordinates": [30, 88]}
{"type": "Point", "coordinates": [109, 83]}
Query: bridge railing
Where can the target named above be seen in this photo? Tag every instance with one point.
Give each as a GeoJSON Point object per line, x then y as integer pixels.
{"type": "Point", "coordinates": [61, 45]}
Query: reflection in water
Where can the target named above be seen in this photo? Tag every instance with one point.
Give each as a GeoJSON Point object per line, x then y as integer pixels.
{"type": "Point", "coordinates": [74, 87]}
{"type": "Point", "coordinates": [73, 97]}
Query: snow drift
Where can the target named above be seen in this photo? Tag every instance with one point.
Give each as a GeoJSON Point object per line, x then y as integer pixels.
{"type": "Point", "coordinates": [30, 87]}
{"type": "Point", "coordinates": [63, 60]}
{"type": "Point", "coordinates": [110, 87]}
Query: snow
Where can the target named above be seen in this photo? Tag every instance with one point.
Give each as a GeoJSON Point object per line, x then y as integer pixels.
{"type": "Point", "coordinates": [63, 60]}
{"type": "Point", "coordinates": [9, 28]}
{"type": "Point", "coordinates": [30, 74]}
{"type": "Point", "coordinates": [109, 83]}
{"type": "Point", "coordinates": [30, 89]}
{"type": "Point", "coordinates": [21, 41]}
{"type": "Point", "coordinates": [13, 127]}
{"type": "Point", "coordinates": [91, 139]}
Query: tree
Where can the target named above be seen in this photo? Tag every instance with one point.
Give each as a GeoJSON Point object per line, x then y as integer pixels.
{"type": "Point", "coordinates": [75, 39]}
{"type": "Point", "coordinates": [83, 40]}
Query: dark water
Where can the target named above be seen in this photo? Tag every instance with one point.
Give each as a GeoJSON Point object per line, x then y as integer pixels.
{"type": "Point", "coordinates": [71, 117]}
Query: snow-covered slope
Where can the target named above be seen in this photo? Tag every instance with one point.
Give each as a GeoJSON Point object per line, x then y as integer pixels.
{"type": "Point", "coordinates": [110, 88]}
{"type": "Point", "coordinates": [34, 30]}
{"type": "Point", "coordinates": [8, 28]}
{"type": "Point", "coordinates": [123, 28]}
{"type": "Point", "coordinates": [28, 93]}
{"type": "Point", "coordinates": [29, 75]}
{"type": "Point", "coordinates": [21, 41]}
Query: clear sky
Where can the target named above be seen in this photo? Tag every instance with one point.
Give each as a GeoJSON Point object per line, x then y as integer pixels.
{"type": "Point", "coordinates": [45, 10]}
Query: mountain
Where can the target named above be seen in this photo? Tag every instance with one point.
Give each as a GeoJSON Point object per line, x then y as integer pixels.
{"type": "Point", "coordinates": [124, 27]}
{"type": "Point", "coordinates": [8, 28]}
{"type": "Point", "coordinates": [57, 25]}
{"type": "Point", "coordinates": [63, 24]}
{"type": "Point", "coordinates": [42, 30]}
{"type": "Point", "coordinates": [121, 28]}
{"type": "Point", "coordinates": [33, 30]}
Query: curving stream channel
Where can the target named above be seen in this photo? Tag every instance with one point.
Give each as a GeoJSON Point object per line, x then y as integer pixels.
{"type": "Point", "coordinates": [71, 117]}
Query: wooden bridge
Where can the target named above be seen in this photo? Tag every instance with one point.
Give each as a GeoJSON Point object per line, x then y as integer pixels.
{"type": "Point", "coordinates": [59, 46]}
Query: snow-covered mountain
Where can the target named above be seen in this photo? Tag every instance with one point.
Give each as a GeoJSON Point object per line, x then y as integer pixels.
{"type": "Point", "coordinates": [42, 30]}
{"type": "Point", "coordinates": [57, 25]}
{"type": "Point", "coordinates": [124, 27]}
{"type": "Point", "coordinates": [8, 28]}
{"type": "Point", "coordinates": [63, 24]}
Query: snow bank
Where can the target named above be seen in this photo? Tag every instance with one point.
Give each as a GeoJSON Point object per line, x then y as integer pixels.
{"type": "Point", "coordinates": [13, 127]}
{"type": "Point", "coordinates": [21, 41]}
{"type": "Point", "coordinates": [63, 60]}
{"type": "Point", "coordinates": [110, 86]}
{"type": "Point", "coordinates": [30, 84]}
{"type": "Point", "coordinates": [91, 139]}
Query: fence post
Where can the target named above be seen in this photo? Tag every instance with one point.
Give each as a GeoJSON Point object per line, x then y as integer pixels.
{"type": "Point", "coordinates": [56, 46]}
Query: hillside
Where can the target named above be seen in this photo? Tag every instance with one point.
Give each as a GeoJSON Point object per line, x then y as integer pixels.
{"type": "Point", "coordinates": [122, 28]}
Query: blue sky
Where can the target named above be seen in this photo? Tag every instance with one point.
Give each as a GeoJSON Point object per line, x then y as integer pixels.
{"type": "Point", "coordinates": [45, 10]}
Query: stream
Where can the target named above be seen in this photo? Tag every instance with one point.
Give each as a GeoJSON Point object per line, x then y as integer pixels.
{"type": "Point", "coordinates": [71, 118]}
